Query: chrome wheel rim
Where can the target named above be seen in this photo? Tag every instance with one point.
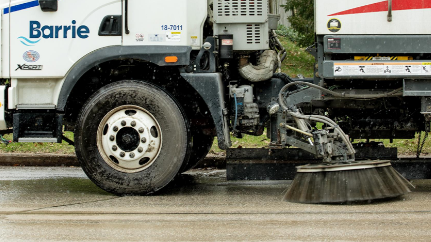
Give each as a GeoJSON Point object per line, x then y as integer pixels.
{"type": "Point", "coordinates": [129, 138]}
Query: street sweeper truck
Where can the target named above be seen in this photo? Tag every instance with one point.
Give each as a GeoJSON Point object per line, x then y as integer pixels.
{"type": "Point", "coordinates": [146, 86]}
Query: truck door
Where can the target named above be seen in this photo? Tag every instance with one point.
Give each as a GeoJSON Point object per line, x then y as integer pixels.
{"type": "Point", "coordinates": [47, 39]}
{"type": "Point", "coordinates": [164, 22]}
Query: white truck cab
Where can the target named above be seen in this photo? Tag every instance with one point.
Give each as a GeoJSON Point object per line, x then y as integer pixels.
{"type": "Point", "coordinates": [45, 45]}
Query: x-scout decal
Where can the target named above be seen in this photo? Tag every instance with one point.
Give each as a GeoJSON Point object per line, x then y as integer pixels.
{"type": "Point", "coordinates": [397, 5]}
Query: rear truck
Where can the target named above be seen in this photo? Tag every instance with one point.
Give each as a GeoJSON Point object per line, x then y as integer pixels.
{"type": "Point", "coordinates": [146, 85]}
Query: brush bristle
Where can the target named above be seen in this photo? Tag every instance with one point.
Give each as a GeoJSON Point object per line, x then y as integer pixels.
{"type": "Point", "coordinates": [346, 186]}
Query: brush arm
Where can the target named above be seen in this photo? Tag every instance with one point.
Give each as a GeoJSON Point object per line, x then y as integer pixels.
{"type": "Point", "coordinates": [301, 144]}
{"type": "Point", "coordinates": [327, 149]}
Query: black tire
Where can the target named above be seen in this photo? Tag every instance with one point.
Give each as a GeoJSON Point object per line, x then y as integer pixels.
{"type": "Point", "coordinates": [172, 152]}
{"type": "Point", "coordinates": [201, 145]}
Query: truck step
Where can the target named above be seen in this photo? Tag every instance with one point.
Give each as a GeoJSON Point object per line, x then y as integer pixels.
{"type": "Point", "coordinates": [37, 127]}
{"type": "Point", "coordinates": [38, 140]}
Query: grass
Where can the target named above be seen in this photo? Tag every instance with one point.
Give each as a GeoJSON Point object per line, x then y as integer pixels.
{"type": "Point", "coordinates": [407, 146]}
{"type": "Point", "coordinates": [297, 60]}
{"type": "Point", "coordinates": [63, 148]}
{"type": "Point", "coordinates": [248, 141]}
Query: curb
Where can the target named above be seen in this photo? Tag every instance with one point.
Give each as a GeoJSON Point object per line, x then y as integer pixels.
{"type": "Point", "coordinates": [11, 159]}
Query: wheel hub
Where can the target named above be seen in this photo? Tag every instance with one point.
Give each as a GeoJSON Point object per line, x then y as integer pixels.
{"type": "Point", "coordinates": [129, 138]}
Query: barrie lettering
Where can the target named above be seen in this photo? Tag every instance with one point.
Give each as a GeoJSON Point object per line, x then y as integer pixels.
{"type": "Point", "coordinates": [56, 31]}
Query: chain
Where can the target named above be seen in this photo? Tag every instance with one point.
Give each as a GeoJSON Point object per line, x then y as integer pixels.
{"type": "Point", "coordinates": [421, 146]}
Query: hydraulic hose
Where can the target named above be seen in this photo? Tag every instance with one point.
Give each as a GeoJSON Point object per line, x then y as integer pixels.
{"type": "Point", "coordinates": [281, 50]}
{"type": "Point", "coordinates": [396, 92]}
{"type": "Point", "coordinates": [326, 120]}
{"type": "Point", "coordinates": [236, 111]}
{"type": "Point", "coordinates": [282, 53]}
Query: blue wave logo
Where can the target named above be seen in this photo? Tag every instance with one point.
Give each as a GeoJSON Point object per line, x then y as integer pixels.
{"type": "Point", "coordinates": [28, 42]}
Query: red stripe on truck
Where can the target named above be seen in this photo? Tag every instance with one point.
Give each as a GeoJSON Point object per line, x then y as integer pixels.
{"type": "Point", "coordinates": [397, 5]}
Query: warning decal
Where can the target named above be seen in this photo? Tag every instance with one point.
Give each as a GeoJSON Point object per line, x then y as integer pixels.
{"type": "Point", "coordinates": [382, 69]}
{"type": "Point", "coordinates": [173, 36]}
{"type": "Point", "coordinates": [194, 40]}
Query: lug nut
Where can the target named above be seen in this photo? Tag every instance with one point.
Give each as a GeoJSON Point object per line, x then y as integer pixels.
{"type": "Point", "coordinates": [133, 123]}
{"type": "Point", "coordinates": [144, 140]}
{"type": "Point", "coordinates": [140, 149]}
{"type": "Point", "coordinates": [111, 138]}
{"type": "Point", "coordinates": [132, 155]}
{"type": "Point", "coordinates": [114, 148]}
{"type": "Point", "coordinates": [122, 154]}
{"type": "Point", "coordinates": [115, 129]}
{"type": "Point", "coordinates": [141, 130]}
{"type": "Point", "coordinates": [123, 123]}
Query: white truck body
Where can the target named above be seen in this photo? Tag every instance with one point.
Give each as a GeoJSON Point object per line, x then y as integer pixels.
{"type": "Point", "coordinates": [370, 17]}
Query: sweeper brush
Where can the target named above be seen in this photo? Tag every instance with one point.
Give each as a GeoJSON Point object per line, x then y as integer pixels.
{"type": "Point", "coordinates": [346, 182]}
{"type": "Point", "coordinates": [339, 178]}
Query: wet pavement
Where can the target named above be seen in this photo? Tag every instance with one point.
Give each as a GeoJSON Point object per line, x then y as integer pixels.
{"type": "Point", "coordinates": [61, 204]}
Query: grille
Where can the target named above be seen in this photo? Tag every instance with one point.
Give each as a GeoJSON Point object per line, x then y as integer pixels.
{"type": "Point", "coordinates": [244, 8]}
{"type": "Point", "coordinates": [247, 20]}
{"type": "Point", "coordinates": [253, 34]}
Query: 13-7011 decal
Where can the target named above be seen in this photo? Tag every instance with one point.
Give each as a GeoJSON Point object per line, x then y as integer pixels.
{"type": "Point", "coordinates": [382, 69]}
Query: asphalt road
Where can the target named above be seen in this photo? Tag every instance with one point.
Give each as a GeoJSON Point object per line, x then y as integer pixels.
{"type": "Point", "coordinates": [61, 204]}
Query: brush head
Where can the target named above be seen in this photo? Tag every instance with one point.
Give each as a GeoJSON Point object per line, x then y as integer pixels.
{"type": "Point", "coordinates": [346, 182]}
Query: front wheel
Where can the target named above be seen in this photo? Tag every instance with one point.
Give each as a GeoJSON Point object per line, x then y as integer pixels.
{"type": "Point", "coordinates": [131, 138]}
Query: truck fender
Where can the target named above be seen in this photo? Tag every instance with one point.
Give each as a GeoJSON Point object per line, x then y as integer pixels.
{"type": "Point", "coordinates": [153, 54]}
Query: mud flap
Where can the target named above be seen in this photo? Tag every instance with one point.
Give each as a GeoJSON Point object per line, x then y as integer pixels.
{"type": "Point", "coordinates": [210, 87]}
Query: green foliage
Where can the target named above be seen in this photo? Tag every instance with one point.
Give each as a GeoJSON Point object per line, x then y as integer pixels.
{"type": "Point", "coordinates": [302, 20]}
{"type": "Point", "coordinates": [287, 32]}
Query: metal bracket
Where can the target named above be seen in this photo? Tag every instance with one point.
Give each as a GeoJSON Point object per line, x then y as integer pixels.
{"type": "Point", "coordinates": [69, 141]}
{"type": "Point", "coordinates": [417, 88]}
{"type": "Point", "coordinates": [209, 51]}
{"type": "Point", "coordinates": [389, 10]}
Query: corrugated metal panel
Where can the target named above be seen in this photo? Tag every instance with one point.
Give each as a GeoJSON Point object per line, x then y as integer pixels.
{"type": "Point", "coordinates": [276, 7]}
